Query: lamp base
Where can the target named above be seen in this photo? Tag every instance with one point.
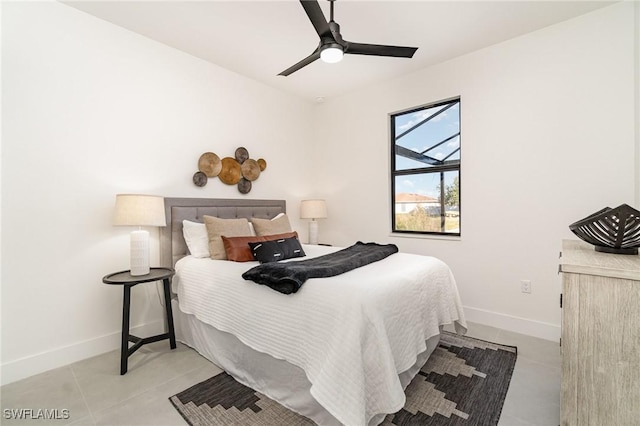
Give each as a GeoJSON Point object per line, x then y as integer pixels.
{"type": "Point", "coordinates": [313, 232]}
{"type": "Point", "coordinates": [139, 246]}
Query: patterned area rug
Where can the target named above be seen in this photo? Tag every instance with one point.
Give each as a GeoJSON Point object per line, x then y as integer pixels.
{"type": "Point", "coordinates": [464, 382]}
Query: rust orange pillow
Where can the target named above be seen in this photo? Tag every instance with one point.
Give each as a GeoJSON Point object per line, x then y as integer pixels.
{"type": "Point", "coordinates": [238, 250]}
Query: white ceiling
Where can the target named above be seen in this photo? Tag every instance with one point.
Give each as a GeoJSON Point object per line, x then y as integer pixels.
{"type": "Point", "coordinates": [259, 39]}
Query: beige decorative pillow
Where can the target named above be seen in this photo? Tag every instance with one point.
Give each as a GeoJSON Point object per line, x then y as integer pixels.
{"type": "Point", "coordinates": [277, 225]}
{"type": "Point", "coordinates": [217, 227]}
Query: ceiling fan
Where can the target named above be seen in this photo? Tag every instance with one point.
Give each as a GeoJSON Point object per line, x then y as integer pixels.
{"type": "Point", "coordinates": [332, 46]}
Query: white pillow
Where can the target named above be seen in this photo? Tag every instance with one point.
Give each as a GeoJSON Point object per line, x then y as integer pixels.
{"type": "Point", "coordinates": [196, 237]}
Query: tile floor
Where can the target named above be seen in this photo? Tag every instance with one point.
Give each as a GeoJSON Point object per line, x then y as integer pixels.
{"type": "Point", "coordinates": [95, 394]}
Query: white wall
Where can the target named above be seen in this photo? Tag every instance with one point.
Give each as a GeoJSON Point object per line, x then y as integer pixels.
{"type": "Point", "coordinates": [90, 110]}
{"type": "Point", "coordinates": [547, 138]}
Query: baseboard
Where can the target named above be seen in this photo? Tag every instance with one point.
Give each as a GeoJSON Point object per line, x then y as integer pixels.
{"type": "Point", "coordinates": [542, 330]}
{"type": "Point", "coordinates": [34, 364]}
{"type": "Point", "coordinates": [28, 366]}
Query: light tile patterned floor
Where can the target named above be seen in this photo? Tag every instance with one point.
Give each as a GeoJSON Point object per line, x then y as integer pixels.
{"type": "Point", "coordinates": [95, 394]}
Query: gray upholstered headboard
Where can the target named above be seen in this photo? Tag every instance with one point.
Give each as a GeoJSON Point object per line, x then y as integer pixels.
{"type": "Point", "coordinates": [172, 244]}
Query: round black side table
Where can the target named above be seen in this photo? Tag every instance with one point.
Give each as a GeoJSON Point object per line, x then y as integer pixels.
{"type": "Point", "coordinates": [125, 279]}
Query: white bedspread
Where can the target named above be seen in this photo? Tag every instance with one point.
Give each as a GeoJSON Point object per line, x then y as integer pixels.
{"type": "Point", "coordinates": [352, 334]}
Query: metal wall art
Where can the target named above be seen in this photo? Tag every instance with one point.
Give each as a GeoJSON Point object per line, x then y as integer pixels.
{"type": "Point", "coordinates": [240, 170]}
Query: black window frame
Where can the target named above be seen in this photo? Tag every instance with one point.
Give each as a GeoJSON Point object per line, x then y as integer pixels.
{"type": "Point", "coordinates": [426, 170]}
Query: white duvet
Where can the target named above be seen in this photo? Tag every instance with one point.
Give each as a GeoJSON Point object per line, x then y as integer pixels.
{"type": "Point", "coordinates": [352, 334]}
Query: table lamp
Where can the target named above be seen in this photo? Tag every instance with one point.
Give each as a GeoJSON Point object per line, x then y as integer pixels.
{"type": "Point", "coordinates": [313, 209]}
{"type": "Point", "coordinates": [139, 210]}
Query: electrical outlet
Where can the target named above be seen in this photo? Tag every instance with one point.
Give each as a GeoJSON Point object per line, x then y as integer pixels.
{"type": "Point", "coordinates": [525, 286]}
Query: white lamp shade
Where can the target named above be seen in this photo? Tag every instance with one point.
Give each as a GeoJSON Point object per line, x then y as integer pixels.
{"type": "Point", "coordinates": [313, 209]}
{"type": "Point", "coordinates": [139, 210]}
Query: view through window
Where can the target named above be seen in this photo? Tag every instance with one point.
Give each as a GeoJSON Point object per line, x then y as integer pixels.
{"type": "Point", "coordinates": [425, 169]}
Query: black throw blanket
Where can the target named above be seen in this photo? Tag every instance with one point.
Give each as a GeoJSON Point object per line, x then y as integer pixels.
{"type": "Point", "coordinates": [288, 277]}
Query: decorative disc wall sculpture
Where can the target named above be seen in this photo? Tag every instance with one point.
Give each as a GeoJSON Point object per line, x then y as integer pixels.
{"type": "Point", "coordinates": [240, 170]}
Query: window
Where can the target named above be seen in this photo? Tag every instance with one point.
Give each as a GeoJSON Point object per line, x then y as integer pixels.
{"type": "Point", "coordinates": [425, 169]}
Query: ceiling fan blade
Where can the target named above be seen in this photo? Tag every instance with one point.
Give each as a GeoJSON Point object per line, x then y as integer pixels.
{"type": "Point", "coordinates": [303, 63]}
{"type": "Point", "coordinates": [380, 50]}
{"type": "Point", "coordinates": [314, 12]}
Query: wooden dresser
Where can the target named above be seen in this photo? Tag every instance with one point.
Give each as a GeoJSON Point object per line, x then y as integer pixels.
{"type": "Point", "coordinates": [600, 337]}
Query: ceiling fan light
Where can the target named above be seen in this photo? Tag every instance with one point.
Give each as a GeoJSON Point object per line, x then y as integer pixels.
{"type": "Point", "coordinates": [331, 53]}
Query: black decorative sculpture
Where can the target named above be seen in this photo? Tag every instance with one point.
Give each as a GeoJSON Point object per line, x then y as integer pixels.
{"type": "Point", "coordinates": [611, 230]}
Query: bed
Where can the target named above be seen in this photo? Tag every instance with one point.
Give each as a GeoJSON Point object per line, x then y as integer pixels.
{"type": "Point", "coordinates": [340, 351]}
